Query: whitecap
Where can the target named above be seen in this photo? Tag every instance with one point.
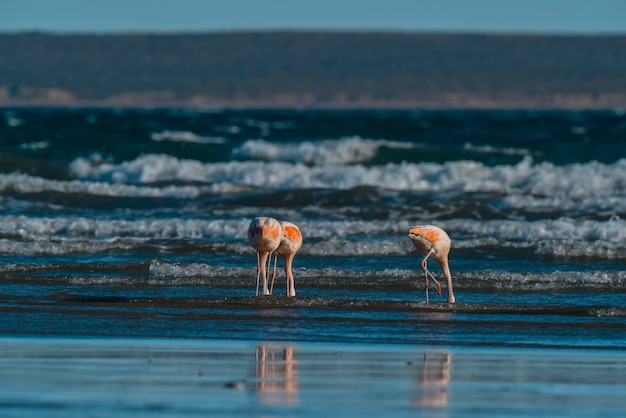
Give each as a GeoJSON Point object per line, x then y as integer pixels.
{"type": "Point", "coordinates": [558, 238]}
{"type": "Point", "coordinates": [185, 136]}
{"type": "Point", "coordinates": [42, 228]}
{"type": "Point", "coordinates": [393, 278]}
{"type": "Point", "coordinates": [327, 152]}
{"type": "Point", "coordinates": [24, 183]}
{"type": "Point", "coordinates": [489, 149]}
{"type": "Point", "coordinates": [35, 145]}
{"type": "Point", "coordinates": [460, 176]}
{"type": "Point", "coordinates": [12, 120]}
{"type": "Point", "coordinates": [563, 237]}
{"type": "Point", "coordinates": [591, 187]}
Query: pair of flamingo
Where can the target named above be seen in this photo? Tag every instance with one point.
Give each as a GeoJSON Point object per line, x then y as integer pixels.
{"type": "Point", "coordinates": [267, 235]}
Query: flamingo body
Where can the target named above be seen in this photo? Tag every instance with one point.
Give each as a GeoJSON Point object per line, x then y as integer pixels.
{"type": "Point", "coordinates": [264, 235]}
{"type": "Point", "coordinates": [433, 242]}
{"type": "Point", "coordinates": [290, 243]}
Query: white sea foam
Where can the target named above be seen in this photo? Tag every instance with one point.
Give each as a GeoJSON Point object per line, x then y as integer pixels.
{"type": "Point", "coordinates": [562, 237]}
{"type": "Point", "coordinates": [12, 120]}
{"type": "Point", "coordinates": [543, 181]}
{"type": "Point", "coordinates": [265, 127]}
{"type": "Point", "coordinates": [35, 146]}
{"type": "Point", "coordinates": [173, 272]}
{"type": "Point", "coordinates": [328, 152]}
{"type": "Point", "coordinates": [344, 151]}
{"type": "Point", "coordinates": [162, 272]}
{"type": "Point", "coordinates": [488, 149]}
{"type": "Point", "coordinates": [24, 183]}
{"type": "Point", "coordinates": [41, 228]}
{"type": "Point", "coordinates": [185, 136]}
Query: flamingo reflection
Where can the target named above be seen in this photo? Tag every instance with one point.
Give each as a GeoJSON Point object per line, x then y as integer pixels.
{"type": "Point", "coordinates": [433, 376]}
{"type": "Point", "coordinates": [277, 379]}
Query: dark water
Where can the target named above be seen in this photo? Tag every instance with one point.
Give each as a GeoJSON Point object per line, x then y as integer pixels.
{"type": "Point", "coordinates": [133, 223]}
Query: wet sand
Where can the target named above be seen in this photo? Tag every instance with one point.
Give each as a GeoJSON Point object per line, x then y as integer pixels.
{"type": "Point", "coordinates": [75, 377]}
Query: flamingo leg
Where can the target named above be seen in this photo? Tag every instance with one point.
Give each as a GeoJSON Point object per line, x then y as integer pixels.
{"type": "Point", "coordinates": [267, 266]}
{"type": "Point", "coordinates": [437, 283]}
{"type": "Point", "coordinates": [274, 275]}
{"type": "Point", "coordinates": [258, 271]}
{"type": "Point", "coordinates": [425, 267]}
{"type": "Point", "coordinates": [263, 266]}
{"type": "Point", "coordinates": [428, 273]}
{"type": "Point", "coordinates": [291, 288]}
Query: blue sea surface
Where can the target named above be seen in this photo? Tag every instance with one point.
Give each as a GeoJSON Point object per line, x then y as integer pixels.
{"type": "Point", "coordinates": [132, 224]}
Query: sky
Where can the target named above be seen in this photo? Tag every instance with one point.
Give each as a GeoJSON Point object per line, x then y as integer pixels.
{"type": "Point", "coordinates": [517, 16]}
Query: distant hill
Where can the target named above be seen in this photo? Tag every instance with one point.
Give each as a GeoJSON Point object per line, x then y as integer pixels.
{"type": "Point", "coordinates": [313, 69]}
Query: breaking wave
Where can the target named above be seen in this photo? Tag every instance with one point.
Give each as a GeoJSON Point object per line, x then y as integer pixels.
{"type": "Point", "coordinates": [563, 238]}
{"type": "Point", "coordinates": [186, 136]}
{"type": "Point", "coordinates": [545, 182]}
{"type": "Point", "coordinates": [320, 153]}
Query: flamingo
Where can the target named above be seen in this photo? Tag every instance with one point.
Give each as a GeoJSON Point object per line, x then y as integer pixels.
{"type": "Point", "coordinates": [264, 235]}
{"type": "Point", "coordinates": [433, 242]}
{"type": "Point", "coordinates": [290, 243]}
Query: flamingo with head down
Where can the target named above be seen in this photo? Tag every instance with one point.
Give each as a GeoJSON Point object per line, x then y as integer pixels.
{"type": "Point", "coordinates": [264, 234]}
{"type": "Point", "coordinates": [290, 243]}
{"type": "Point", "coordinates": [433, 242]}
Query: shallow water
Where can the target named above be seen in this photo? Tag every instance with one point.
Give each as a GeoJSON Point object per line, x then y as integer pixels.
{"type": "Point", "coordinates": [193, 300]}
{"type": "Point", "coordinates": [135, 377]}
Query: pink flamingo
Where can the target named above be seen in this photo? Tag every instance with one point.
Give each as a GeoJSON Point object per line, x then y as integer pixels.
{"type": "Point", "coordinates": [290, 243]}
{"type": "Point", "coordinates": [264, 234]}
{"type": "Point", "coordinates": [433, 242]}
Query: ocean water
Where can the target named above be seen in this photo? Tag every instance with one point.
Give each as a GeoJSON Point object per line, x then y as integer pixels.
{"type": "Point", "coordinates": [132, 224]}
{"type": "Point", "coordinates": [109, 217]}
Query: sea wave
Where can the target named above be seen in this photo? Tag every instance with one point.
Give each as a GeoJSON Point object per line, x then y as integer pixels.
{"type": "Point", "coordinates": [544, 180]}
{"type": "Point", "coordinates": [29, 184]}
{"type": "Point", "coordinates": [344, 151]}
{"type": "Point", "coordinates": [185, 136]}
{"type": "Point", "coordinates": [466, 233]}
{"type": "Point", "coordinates": [35, 228]}
{"type": "Point", "coordinates": [490, 149]}
{"type": "Point", "coordinates": [563, 238]}
{"type": "Point", "coordinates": [159, 272]}
{"type": "Point", "coordinates": [358, 150]}
{"type": "Point", "coordinates": [493, 280]}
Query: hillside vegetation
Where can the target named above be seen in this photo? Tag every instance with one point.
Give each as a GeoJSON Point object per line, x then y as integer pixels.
{"type": "Point", "coordinates": [325, 69]}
